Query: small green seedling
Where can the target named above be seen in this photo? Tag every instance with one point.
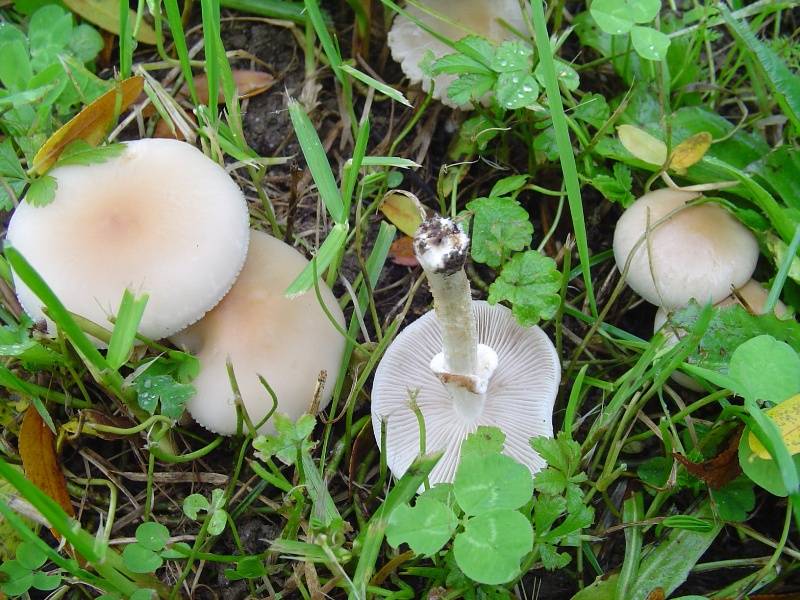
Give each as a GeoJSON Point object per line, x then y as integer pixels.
{"type": "Point", "coordinates": [195, 503]}
{"type": "Point", "coordinates": [145, 554]}
{"type": "Point", "coordinates": [162, 383]}
{"type": "Point", "coordinates": [19, 575]}
{"type": "Point", "coordinates": [250, 567]}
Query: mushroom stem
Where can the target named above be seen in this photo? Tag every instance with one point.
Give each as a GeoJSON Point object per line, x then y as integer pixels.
{"type": "Point", "coordinates": [464, 366]}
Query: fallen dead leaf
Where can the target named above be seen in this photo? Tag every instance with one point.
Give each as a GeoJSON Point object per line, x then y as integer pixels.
{"type": "Point", "coordinates": [404, 210]}
{"type": "Point", "coordinates": [656, 594]}
{"type": "Point", "coordinates": [39, 460]}
{"type": "Point", "coordinates": [786, 416]}
{"type": "Point", "coordinates": [91, 124]}
{"type": "Point", "coordinates": [720, 470]}
{"type": "Point", "coordinates": [690, 151]}
{"type": "Point", "coordinates": [248, 84]}
{"type": "Point", "coordinates": [402, 252]}
{"type": "Point", "coordinates": [642, 145]}
{"type": "Point", "coordinates": [105, 14]}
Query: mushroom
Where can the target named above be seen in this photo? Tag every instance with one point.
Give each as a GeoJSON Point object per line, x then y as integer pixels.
{"type": "Point", "coordinates": [161, 218]}
{"type": "Point", "coordinates": [289, 342]}
{"type": "Point", "coordinates": [698, 252]}
{"type": "Point", "coordinates": [751, 296]}
{"type": "Point", "coordinates": [464, 364]}
{"type": "Point", "coordinates": [410, 44]}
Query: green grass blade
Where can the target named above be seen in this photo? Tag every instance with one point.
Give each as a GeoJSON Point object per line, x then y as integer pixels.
{"type": "Point", "coordinates": [318, 164]}
{"type": "Point", "coordinates": [123, 336]}
{"type": "Point", "coordinates": [565, 151]}
{"type": "Point", "coordinates": [325, 255]}
{"type": "Point", "coordinates": [353, 166]}
{"type": "Point", "coordinates": [328, 44]}
{"type": "Point", "coordinates": [389, 161]}
{"type": "Point", "coordinates": [179, 39]}
{"type": "Point", "coordinates": [276, 9]}
{"type": "Point", "coordinates": [126, 41]}
{"type": "Point", "coordinates": [378, 86]}
{"type": "Point", "coordinates": [783, 273]}
{"type": "Point", "coordinates": [210, 14]}
{"type": "Point", "coordinates": [784, 83]}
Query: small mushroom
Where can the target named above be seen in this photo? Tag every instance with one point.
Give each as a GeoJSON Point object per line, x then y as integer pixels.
{"type": "Point", "coordinates": [288, 342]}
{"type": "Point", "coordinates": [751, 296]}
{"type": "Point", "coordinates": [161, 218]}
{"type": "Point", "coordinates": [698, 252]}
{"type": "Point", "coordinates": [410, 44]}
{"type": "Point", "coordinates": [464, 364]}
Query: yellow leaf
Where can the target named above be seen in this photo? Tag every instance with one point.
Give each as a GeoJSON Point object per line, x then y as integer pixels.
{"type": "Point", "coordinates": [91, 124]}
{"type": "Point", "coordinates": [786, 416]}
{"type": "Point", "coordinates": [642, 145]}
{"type": "Point", "coordinates": [404, 210]}
{"type": "Point", "coordinates": [105, 14]}
{"type": "Point", "coordinates": [690, 151]}
{"type": "Point", "coordinates": [39, 460]}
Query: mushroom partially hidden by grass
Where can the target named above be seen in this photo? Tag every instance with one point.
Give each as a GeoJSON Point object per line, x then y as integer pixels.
{"type": "Point", "coordinates": [161, 218]}
{"type": "Point", "coordinates": [699, 252]}
{"type": "Point", "coordinates": [463, 365]}
{"type": "Point", "coordinates": [410, 44]}
{"type": "Point", "coordinates": [288, 342]}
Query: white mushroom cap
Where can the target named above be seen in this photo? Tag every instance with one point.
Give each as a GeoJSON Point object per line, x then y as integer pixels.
{"type": "Point", "coordinates": [287, 341]}
{"type": "Point", "coordinates": [409, 44]}
{"type": "Point", "coordinates": [752, 293]}
{"type": "Point", "coordinates": [161, 219]}
{"type": "Point", "coordinates": [519, 399]}
{"type": "Point", "coordinates": [701, 252]}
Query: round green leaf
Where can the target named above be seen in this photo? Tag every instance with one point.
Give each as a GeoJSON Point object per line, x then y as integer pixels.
{"type": "Point", "coordinates": [140, 559]}
{"type": "Point", "coordinates": [194, 504]}
{"type": "Point", "coordinates": [492, 546]}
{"type": "Point", "coordinates": [764, 473]}
{"type": "Point", "coordinates": [642, 11]}
{"type": "Point", "coordinates": [649, 43]}
{"type": "Point", "coordinates": [766, 368]}
{"type": "Point", "coordinates": [30, 556]}
{"type": "Point", "coordinates": [143, 594]}
{"type": "Point", "coordinates": [487, 483]}
{"type": "Point", "coordinates": [612, 16]}
{"type": "Point", "coordinates": [217, 523]}
{"type": "Point", "coordinates": [152, 536]}
{"type": "Point", "coordinates": [516, 89]}
{"type": "Point", "coordinates": [512, 56]}
{"type": "Point", "coordinates": [425, 528]}
{"type": "Point", "coordinates": [45, 582]}
{"type": "Point", "coordinates": [19, 581]}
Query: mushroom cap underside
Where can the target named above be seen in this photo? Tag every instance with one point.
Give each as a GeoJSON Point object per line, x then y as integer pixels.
{"type": "Point", "coordinates": [161, 219]}
{"type": "Point", "coordinates": [519, 398]}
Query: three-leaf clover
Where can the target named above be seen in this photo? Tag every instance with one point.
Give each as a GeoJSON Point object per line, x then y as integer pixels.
{"type": "Point", "coordinates": [144, 555]}
{"type": "Point", "coordinates": [290, 438]}
{"type": "Point", "coordinates": [195, 503]}
{"type": "Point", "coordinates": [21, 574]}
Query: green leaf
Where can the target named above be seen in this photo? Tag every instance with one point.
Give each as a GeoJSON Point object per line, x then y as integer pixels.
{"type": "Point", "coordinates": [80, 152]}
{"type": "Point", "coordinates": [512, 56]}
{"type": "Point", "coordinates": [30, 556]}
{"type": "Point", "coordinates": [546, 509]}
{"type": "Point", "coordinates": [490, 548]}
{"type": "Point", "coordinates": [763, 472]}
{"type": "Point", "coordinates": [19, 579]}
{"type": "Point", "coordinates": [193, 504]}
{"type": "Point", "coordinates": [15, 68]}
{"type": "Point", "coordinates": [289, 438]}
{"type": "Point", "coordinates": [531, 283]}
{"type": "Point", "coordinates": [216, 524]}
{"type": "Point", "coordinates": [85, 43]}
{"type": "Point", "coordinates": [551, 558]}
{"type": "Point", "coordinates": [735, 500]}
{"type": "Point", "coordinates": [459, 64]}
{"type": "Point", "coordinates": [508, 185]}
{"type": "Point", "coordinates": [483, 441]}
{"type": "Point", "coordinates": [123, 336]}
{"type": "Point", "coordinates": [49, 31]}
{"type": "Point", "coordinates": [561, 453]}
{"type": "Point", "coordinates": [10, 165]}
{"type": "Point", "coordinates": [426, 527]}
{"type": "Point", "coordinates": [516, 89]}
{"type": "Point", "coordinates": [766, 368]}
{"type": "Point", "coordinates": [550, 481]}
{"type": "Point", "coordinates": [472, 86]}
{"type": "Point", "coordinates": [613, 16]}
{"type": "Point", "coordinates": [490, 482]}
{"type": "Point", "coordinates": [649, 43]}
{"type": "Point", "coordinates": [152, 536]}
{"type": "Point", "coordinates": [592, 109]}
{"type": "Point", "coordinates": [566, 75]}
{"type": "Point", "coordinates": [42, 191]}
{"type": "Point", "coordinates": [617, 188]}
{"type": "Point", "coordinates": [688, 523]}
{"type": "Point", "coordinates": [45, 582]}
{"type": "Point", "coordinates": [500, 226]}
{"type": "Point", "coordinates": [139, 559]}
{"type": "Point", "coordinates": [249, 567]}
{"type": "Point", "coordinates": [152, 388]}
{"type": "Point", "coordinates": [476, 47]}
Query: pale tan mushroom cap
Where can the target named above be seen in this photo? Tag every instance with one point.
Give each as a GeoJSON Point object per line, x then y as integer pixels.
{"type": "Point", "coordinates": [161, 219]}
{"type": "Point", "coordinates": [409, 44]}
{"type": "Point", "coordinates": [519, 398]}
{"type": "Point", "coordinates": [701, 252]}
{"type": "Point", "coordinates": [286, 341]}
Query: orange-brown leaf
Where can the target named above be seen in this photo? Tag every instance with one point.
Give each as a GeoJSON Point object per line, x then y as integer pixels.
{"type": "Point", "coordinates": [656, 594]}
{"type": "Point", "coordinates": [248, 83]}
{"type": "Point", "coordinates": [402, 252]}
{"type": "Point", "coordinates": [39, 461]}
{"type": "Point", "coordinates": [91, 124]}
{"type": "Point", "coordinates": [720, 470]}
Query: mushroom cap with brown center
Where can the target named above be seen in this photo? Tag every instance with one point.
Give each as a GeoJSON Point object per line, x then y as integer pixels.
{"type": "Point", "coordinates": [287, 341]}
{"type": "Point", "coordinates": [519, 398]}
{"type": "Point", "coordinates": [410, 44]}
{"type": "Point", "coordinates": [161, 219]}
{"type": "Point", "coordinates": [699, 252]}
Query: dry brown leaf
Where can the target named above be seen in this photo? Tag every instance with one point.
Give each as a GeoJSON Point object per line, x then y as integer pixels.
{"type": "Point", "coordinates": [105, 14]}
{"type": "Point", "coordinates": [248, 84]}
{"type": "Point", "coordinates": [690, 151]}
{"type": "Point", "coordinates": [39, 461]}
{"type": "Point", "coordinates": [720, 470]}
{"type": "Point", "coordinates": [402, 252]}
{"type": "Point", "coordinates": [91, 124]}
{"type": "Point", "coordinates": [656, 594]}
